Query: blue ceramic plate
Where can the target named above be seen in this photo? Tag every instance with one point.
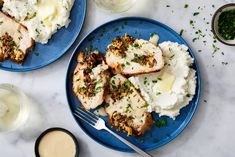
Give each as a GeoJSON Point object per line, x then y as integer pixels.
{"type": "Point", "coordinates": [60, 42]}
{"type": "Point", "coordinates": [99, 39]}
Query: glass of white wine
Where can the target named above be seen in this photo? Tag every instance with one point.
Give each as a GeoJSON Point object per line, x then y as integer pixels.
{"type": "Point", "coordinates": [115, 5]}
{"type": "Point", "coordinates": [14, 107]}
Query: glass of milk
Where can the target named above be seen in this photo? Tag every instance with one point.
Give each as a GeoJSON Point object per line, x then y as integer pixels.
{"type": "Point", "coordinates": [115, 5]}
{"type": "Point", "coordinates": [14, 107]}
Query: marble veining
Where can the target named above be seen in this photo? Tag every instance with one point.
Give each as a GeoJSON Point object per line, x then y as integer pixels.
{"type": "Point", "coordinates": [211, 131]}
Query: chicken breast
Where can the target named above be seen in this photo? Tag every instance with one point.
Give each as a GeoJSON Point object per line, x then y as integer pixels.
{"type": "Point", "coordinates": [130, 56]}
{"type": "Point", "coordinates": [15, 41]}
{"type": "Point", "coordinates": [126, 108]}
{"type": "Point", "coordinates": [90, 79]}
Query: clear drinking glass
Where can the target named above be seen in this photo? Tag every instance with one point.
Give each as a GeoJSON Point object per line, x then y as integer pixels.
{"type": "Point", "coordinates": [115, 5]}
{"type": "Point", "coordinates": [14, 107]}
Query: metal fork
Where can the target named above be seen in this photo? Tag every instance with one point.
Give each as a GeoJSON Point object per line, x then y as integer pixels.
{"type": "Point", "coordinates": [99, 124]}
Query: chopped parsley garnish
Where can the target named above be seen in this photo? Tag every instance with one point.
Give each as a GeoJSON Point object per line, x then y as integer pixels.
{"type": "Point", "coordinates": [113, 82]}
{"type": "Point", "coordinates": [115, 29]}
{"type": "Point", "coordinates": [1, 22]}
{"type": "Point", "coordinates": [128, 108]}
{"type": "Point", "coordinates": [143, 59]}
{"type": "Point", "coordinates": [98, 89]}
{"type": "Point", "coordinates": [20, 37]}
{"type": "Point", "coordinates": [181, 32]}
{"type": "Point", "coordinates": [224, 63]}
{"type": "Point", "coordinates": [194, 39]}
{"type": "Point", "coordinates": [81, 89]}
{"type": "Point", "coordinates": [191, 22]}
{"type": "Point", "coordinates": [107, 105]}
{"type": "Point", "coordinates": [36, 30]}
{"type": "Point", "coordinates": [138, 58]}
{"type": "Point", "coordinates": [136, 45]}
{"type": "Point", "coordinates": [88, 49]}
{"type": "Point", "coordinates": [215, 48]}
{"type": "Point", "coordinates": [161, 123]}
{"type": "Point", "coordinates": [167, 6]}
{"type": "Point", "coordinates": [91, 47]}
{"type": "Point", "coordinates": [226, 24]}
{"type": "Point", "coordinates": [196, 13]}
{"type": "Point", "coordinates": [171, 57]}
{"type": "Point", "coordinates": [127, 84]}
{"type": "Point", "coordinates": [28, 17]}
{"type": "Point", "coordinates": [158, 93]}
{"type": "Point", "coordinates": [188, 95]}
{"type": "Point", "coordinates": [186, 6]}
{"type": "Point", "coordinates": [152, 34]}
{"type": "Point", "coordinates": [36, 53]}
{"type": "Point", "coordinates": [145, 105]}
{"type": "Point", "coordinates": [155, 81]}
{"type": "Point", "coordinates": [145, 80]}
{"type": "Point", "coordinates": [98, 82]}
{"type": "Point", "coordinates": [127, 63]}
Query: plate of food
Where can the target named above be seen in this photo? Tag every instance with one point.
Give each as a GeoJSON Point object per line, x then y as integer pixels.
{"type": "Point", "coordinates": [35, 33]}
{"type": "Point", "coordinates": [140, 76]}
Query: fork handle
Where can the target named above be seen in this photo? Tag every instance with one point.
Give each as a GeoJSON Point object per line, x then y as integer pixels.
{"type": "Point", "coordinates": [138, 150]}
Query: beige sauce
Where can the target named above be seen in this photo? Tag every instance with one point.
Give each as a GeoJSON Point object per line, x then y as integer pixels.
{"type": "Point", "coordinates": [57, 144]}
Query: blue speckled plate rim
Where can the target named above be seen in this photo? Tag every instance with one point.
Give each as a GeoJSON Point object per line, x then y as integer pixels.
{"type": "Point", "coordinates": [188, 118]}
{"type": "Point", "coordinates": [84, 2]}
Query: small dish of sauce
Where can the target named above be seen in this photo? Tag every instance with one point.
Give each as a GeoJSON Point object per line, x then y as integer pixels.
{"type": "Point", "coordinates": [56, 142]}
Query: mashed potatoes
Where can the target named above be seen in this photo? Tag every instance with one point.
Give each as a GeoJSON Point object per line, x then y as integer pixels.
{"type": "Point", "coordinates": [42, 17]}
{"type": "Point", "coordinates": [173, 87]}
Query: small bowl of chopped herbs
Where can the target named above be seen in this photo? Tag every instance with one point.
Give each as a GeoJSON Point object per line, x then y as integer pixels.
{"type": "Point", "coordinates": [223, 24]}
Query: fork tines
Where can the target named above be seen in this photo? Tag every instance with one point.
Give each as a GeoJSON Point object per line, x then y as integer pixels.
{"type": "Point", "coordinates": [86, 116]}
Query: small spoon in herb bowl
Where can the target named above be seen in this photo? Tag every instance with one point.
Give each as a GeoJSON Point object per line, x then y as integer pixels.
{"type": "Point", "coordinates": [223, 24]}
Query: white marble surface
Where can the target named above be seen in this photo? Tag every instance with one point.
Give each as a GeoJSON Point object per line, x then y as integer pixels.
{"type": "Point", "coordinates": [210, 133]}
